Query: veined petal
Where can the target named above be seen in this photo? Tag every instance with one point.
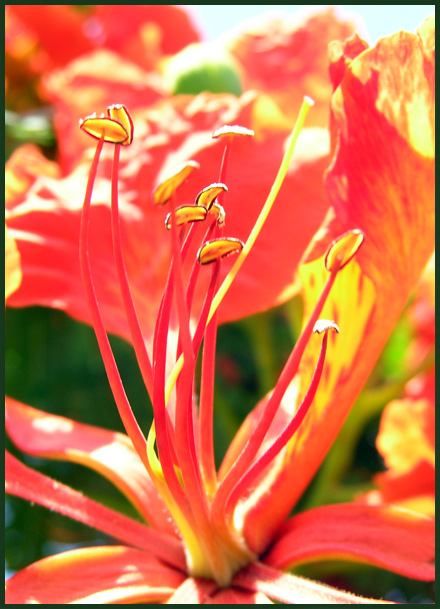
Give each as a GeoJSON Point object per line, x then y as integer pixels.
{"type": "Point", "coordinates": [294, 590]}
{"type": "Point", "coordinates": [379, 535]}
{"type": "Point", "coordinates": [381, 181]}
{"type": "Point", "coordinates": [24, 482]}
{"type": "Point", "coordinates": [98, 576]}
{"type": "Point", "coordinates": [111, 454]}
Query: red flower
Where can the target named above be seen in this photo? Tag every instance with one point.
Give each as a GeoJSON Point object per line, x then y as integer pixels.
{"type": "Point", "coordinates": [228, 537]}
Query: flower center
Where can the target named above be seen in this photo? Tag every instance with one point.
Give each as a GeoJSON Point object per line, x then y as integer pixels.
{"type": "Point", "coordinates": [183, 469]}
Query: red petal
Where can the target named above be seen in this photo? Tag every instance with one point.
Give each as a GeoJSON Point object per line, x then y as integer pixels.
{"type": "Point", "coordinates": [294, 590]}
{"type": "Point", "coordinates": [144, 33]}
{"type": "Point", "coordinates": [95, 576]}
{"type": "Point", "coordinates": [193, 591]}
{"type": "Point", "coordinates": [90, 84]}
{"type": "Point", "coordinates": [231, 596]}
{"type": "Point", "coordinates": [379, 535]}
{"type": "Point", "coordinates": [58, 28]}
{"type": "Point", "coordinates": [111, 454]}
{"type": "Point", "coordinates": [382, 182]}
{"type": "Point", "coordinates": [33, 486]}
{"type": "Point", "coordinates": [286, 57]}
{"type": "Point", "coordinates": [46, 225]}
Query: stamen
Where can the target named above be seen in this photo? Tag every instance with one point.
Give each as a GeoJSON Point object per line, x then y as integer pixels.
{"type": "Point", "coordinates": [102, 127]}
{"type": "Point", "coordinates": [165, 189]}
{"type": "Point", "coordinates": [214, 250]}
{"type": "Point", "coordinates": [257, 468]}
{"type": "Point", "coordinates": [218, 212]}
{"type": "Point", "coordinates": [228, 130]}
{"type": "Point", "coordinates": [132, 318]}
{"type": "Point", "coordinates": [343, 249]}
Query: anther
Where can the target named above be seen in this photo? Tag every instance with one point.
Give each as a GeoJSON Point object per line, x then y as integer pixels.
{"type": "Point", "coordinates": [208, 195]}
{"type": "Point", "coordinates": [103, 127]}
{"type": "Point", "coordinates": [119, 113]}
{"type": "Point", "coordinates": [219, 213]}
{"type": "Point", "coordinates": [185, 214]}
{"type": "Point", "coordinates": [214, 250]}
{"type": "Point", "coordinates": [228, 130]}
{"type": "Point", "coordinates": [166, 188]}
{"type": "Point", "coordinates": [343, 249]}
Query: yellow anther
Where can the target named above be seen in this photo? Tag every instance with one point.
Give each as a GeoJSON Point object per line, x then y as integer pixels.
{"type": "Point", "coordinates": [185, 214]}
{"type": "Point", "coordinates": [103, 127]}
{"type": "Point", "coordinates": [166, 188]}
{"type": "Point", "coordinates": [232, 130]}
{"type": "Point", "coordinates": [323, 325]}
{"type": "Point", "coordinates": [218, 212]}
{"type": "Point", "coordinates": [119, 113]}
{"type": "Point", "coordinates": [211, 251]}
{"type": "Point", "coordinates": [208, 195]}
{"type": "Point", "coordinates": [343, 249]}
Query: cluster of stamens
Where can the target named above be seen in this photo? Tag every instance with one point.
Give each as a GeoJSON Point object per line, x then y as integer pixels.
{"type": "Point", "coordinates": [183, 469]}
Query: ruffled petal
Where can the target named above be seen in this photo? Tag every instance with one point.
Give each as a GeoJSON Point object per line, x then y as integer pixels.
{"type": "Point", "coordinates": [33, 486]}
{"type": "Point", "coordinates": [12, 265]}
{"type": "Point", "coordinates": [111, 454]}
{"type": "Point", "coordinates": [378, 535]}
{"type": "Point", "coordinates": [294, 590]}
{"type": "Point", "coordinates": [98, 576]}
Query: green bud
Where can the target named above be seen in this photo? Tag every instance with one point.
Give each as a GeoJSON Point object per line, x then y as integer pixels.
{"type": "Point", "coordinates": [202, 67]}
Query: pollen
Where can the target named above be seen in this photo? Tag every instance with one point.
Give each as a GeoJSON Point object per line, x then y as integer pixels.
{"type": "Point", "coordinates": [231, 130]}
{"type": "Point", "coordinates": [323, 325]}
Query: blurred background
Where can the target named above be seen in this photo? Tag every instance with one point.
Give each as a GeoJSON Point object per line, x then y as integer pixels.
{"type": "Point", "coordinates": [52, 362]}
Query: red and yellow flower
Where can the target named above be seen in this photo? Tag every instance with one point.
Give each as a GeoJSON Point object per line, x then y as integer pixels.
{"type": "Point", "coordinates": [223, 536]}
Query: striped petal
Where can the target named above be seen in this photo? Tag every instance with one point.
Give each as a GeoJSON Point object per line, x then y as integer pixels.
{"type": "Point", "coordinates": [111, 454]}
{"type": "Point", "coordinates": [378, 535]}
{"type": "Point", "coordinates": [98, 576]}
{"type": "Point", "coordinates": [26, 483]}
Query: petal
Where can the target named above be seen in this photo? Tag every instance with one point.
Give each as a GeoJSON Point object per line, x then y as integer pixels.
{"type": "Point", "coordinates": [381, 181]}
{"type": "Point", "coordinates": [49, 24]}
{"type": "Point", "coordinates": [111, 454]}
{"type": "Point", "coordinates": [286, 56]}
{"type": "Point", "coordinates": [12, 265]}
{"type": "Point", "coordinates": [90, 84]}
{"type": "Point", "coordinates": [294, 590]}
{"type": "Point", "coordinates": [232, 596]}
{"type": "Point", "coordinates": [192, 591]}
{"type": "Point", "coordinates": [144, 33]}
{"type": "Point", "coordinates": [24, 482]}
{"type": "Point", "coordinates": [46, 224]}
{"type": "Point", "coordinates": [378, 535]}
{"type": "Point", "coordinates": [95, 576]}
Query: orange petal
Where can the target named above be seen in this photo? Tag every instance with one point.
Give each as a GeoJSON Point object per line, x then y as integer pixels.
{"type": "Point", "coordinates": [111, 454]}
{"type": "Point", "coordinates": [382, 182]}
{"type": "Point", "coordinates": [378, 535]}
{"type": "Point", "coordinates": [105, 575]}
{"type": "Point", "coordinates": [26, 483]}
